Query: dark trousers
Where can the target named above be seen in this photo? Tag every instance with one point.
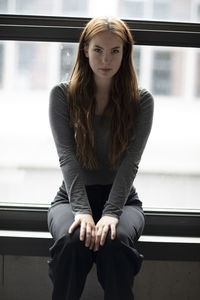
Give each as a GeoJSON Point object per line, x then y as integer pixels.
{"type": "Point", "coordinates": [117, 261]}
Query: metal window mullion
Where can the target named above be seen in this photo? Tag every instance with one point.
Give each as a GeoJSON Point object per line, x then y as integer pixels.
{"type": "Point", "coordinates": [60, 29]}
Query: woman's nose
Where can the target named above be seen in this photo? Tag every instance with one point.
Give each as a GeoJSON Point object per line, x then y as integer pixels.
{"type": "Point", "coordinates": [106, 58]}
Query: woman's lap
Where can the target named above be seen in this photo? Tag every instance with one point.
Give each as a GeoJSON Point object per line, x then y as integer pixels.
{"type": "Point", "coordinates": [129, 228]}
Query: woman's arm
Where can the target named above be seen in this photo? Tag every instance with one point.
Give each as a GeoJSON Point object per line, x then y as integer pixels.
{"type": "Point", "coordinates": [129, 165]}
{"type": "Point", "coordinates": [126, 173]}
{"type": "Point", "coordinates": [72, 174]}
{"type": "Point", "coordinates": [65, 145]}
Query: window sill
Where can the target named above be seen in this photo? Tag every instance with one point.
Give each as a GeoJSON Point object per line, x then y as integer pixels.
{"type": "Point", "coordinates": [32, 243]}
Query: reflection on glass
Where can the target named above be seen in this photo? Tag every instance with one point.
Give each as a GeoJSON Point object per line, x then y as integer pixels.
{"type": "Point", "coordinates": [169, 174]}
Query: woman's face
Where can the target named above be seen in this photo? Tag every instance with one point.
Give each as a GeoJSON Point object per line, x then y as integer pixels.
{"type": "Point", "coordinates": [105, 52]}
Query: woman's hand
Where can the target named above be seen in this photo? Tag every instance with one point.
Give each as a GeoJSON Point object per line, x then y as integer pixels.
{"type": "Point", "coordinates": [87, 228]}
{"type": "Point", "coordinates": [105, 224]}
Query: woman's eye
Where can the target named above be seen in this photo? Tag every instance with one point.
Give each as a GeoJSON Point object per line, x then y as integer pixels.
{"type": "Point", "coordinates": [115, 51]}
{"type": "Point", "coordinates": [97, 50]}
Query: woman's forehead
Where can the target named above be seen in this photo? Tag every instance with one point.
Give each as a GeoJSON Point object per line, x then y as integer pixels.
{"type": "Point", "coordinates": [106, 39]}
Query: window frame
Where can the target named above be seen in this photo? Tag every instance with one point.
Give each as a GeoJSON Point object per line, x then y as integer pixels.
{"type": "Point", "coordinates": [68, 29]}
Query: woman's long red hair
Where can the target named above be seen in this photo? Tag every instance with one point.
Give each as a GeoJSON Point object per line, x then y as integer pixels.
{"type": "Point", "coordinates": [123, 107]}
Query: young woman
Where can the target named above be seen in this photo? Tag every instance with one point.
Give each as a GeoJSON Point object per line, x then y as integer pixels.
{"type": "Point", "coordinates": [100, 122]}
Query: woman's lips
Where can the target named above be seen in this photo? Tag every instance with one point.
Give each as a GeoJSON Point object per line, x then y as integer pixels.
{"type": "Point", "coordinates": [105, 69]}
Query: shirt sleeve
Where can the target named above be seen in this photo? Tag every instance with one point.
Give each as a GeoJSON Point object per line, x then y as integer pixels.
{"type": "Point", "coordinates": [65, 145]}
{"type": "Point", "coordinates": [129, 165]}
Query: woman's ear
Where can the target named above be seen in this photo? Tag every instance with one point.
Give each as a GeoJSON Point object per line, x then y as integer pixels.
{"type": "Point", "coordinates": [86, 50]}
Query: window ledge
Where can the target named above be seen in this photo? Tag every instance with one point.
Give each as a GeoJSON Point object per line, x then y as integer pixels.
{"type": "Point", "coordinates": [35, 243]}
{"type": "Point", "coordinates": [143, 238]}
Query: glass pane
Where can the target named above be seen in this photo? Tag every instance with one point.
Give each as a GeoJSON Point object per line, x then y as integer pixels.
{"type": "Point", "coordinates": [1, 64]}
{"type": "Point", "coordinates": [30, 58]}
{"type": "Point", "coordinates": [132, 9]}
{"type": "Point", "coordinates": [197, 88]}
{"type": "Point", "coordinates": [162, 73]}
{"type": "Point", "coordinates": [67, 60]}
{"type": "Point", "coordinates": [34, 7]}
{"type": "Point", "coordinates": [73, 8]}
{"type": "Point", "coordinates": [179, 10]}
{"type": "Point", "coordinates": [198, 12]}
{"type": "Point", "coordinates": [161, 9]}
{"type": "Point", "coordinates": [169, 173]}
{"type": "Point", "coordinates": [170, 167]}
{"type": "Point", "coordinates": [3, 6]}
{"type": "Point", "coordinates": [136, 57]}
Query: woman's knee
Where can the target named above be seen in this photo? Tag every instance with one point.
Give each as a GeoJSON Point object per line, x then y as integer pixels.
{"type": "Point", "coordinates": [74, 237]}
{"type": "Point", "coordinates": [60, 219]}
{"type": "Point", "coordinates": [71, 238]}
{"type": "Point", "coordinates": [110, 244]}
{"type": "Point", "coordinates": [60, 232]}
{"type": "Point", "coordinates": [66, 242]}
{"type": "Point", "coordinates": [125, 237]}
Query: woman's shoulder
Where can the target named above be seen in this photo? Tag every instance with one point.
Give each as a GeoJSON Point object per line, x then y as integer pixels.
{"type": "Point", "coordinates": [59, 92]}
{"type": "Point", "coordinates": [146, 98]}
{"type": "Point", "coordinates": [61, 87]}
{"type": "Point", "coordinates": [145, 94]}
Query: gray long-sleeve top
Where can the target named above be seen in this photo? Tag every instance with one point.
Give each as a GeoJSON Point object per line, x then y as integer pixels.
{"type": "Point", "coordinates": [75, 176]}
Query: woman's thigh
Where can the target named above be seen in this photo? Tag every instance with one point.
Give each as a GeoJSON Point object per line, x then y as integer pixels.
{"type": "Point", "coordinates": [60, 218]}
{"type": "Point", "coordinates": [131, 225]}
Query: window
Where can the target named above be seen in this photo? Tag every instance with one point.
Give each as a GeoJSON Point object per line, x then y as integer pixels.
{"type": "Point", "coordinates": [1, 64]}
{"type": "Point", "coordinates": [198, 76]}
{"type": "Point", "coordinates": [3, 6]}
{"type": "Point", "coordinates": [31, 66]}
{"type": "Point", "coordinates": [161, 9]}
{"type": "Point", "coordinates": [179, 10]}
{"type": "Point", "coordinates": [45, 7]}
{"type": "Point", "coordinates": [136, 59]}
{"type": "Point", "coordinates": [168, 181]}
{"type": "Point", "coordinates": [198, 12]}
{"type": "Point", "coordinates": [33, 7]}
{"type": "Point", "coordinates": [29, 172]}
{"type": "Point", "coordinates": [131, 9]}
{"type": "Point", "coordinates": [169, 10]}
{"type": "Point", "coordinates": [78, 7]}
{"type": "Point", "coordinates": [162, 73]}
{"type": "Point", "coordinates": [28, 163]}
{"type": "Point", "coordinates": [171, 160]}
{"type": "Point", "coordinates": [67, 60]}
{"type": "Point", "coordinates": [173, 10]}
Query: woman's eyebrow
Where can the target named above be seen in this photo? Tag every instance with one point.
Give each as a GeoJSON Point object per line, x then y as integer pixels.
{"type": "Point", "coordinates": [116, 47]}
